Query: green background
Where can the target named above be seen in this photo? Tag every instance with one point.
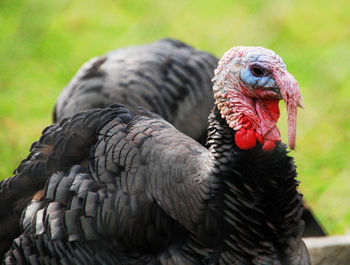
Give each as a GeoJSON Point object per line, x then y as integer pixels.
{"type": "Point", "coordinates": [43, 43]}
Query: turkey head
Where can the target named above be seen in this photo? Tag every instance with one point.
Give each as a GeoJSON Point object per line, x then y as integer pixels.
{"type": "Point", "coordinates": [249, 82]}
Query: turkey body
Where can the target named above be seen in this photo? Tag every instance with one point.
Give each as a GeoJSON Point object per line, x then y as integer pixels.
{"type": "Point", "coordinates": [125, 189]}
{"type": "Point", "coordinates": [167, 77]}
{"type": "Point", "coordinates": [138, 202]}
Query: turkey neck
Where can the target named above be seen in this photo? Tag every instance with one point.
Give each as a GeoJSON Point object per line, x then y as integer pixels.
{"type": "Point", "coordinates": [256, 197]}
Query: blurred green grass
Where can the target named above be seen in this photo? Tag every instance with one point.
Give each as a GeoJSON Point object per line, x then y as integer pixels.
{"type": "Point", "coordinates": [43, 43]}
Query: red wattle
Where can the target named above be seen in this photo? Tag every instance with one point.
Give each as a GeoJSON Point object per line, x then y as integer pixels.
{"type": "Point", "coordinates": [269, 145]}
{"type": "Point", "coordinates": [259, 138]}
{"type": "Point", "coordinates": [245, 139]}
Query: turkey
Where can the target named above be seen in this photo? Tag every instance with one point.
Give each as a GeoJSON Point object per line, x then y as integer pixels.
{"type": "Point", "coordinates": [125, 189]}
{"type": "Point", "coordinates": [167, 77]}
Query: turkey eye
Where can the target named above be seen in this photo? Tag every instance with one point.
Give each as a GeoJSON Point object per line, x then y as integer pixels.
{"type": "Point", "coordinates": [258, 71]}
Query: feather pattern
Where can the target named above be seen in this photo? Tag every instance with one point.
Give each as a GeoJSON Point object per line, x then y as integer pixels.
{"type": "Point", "coordinates": [60, 147]}
{"type": "Point", "coordinates": [220, 208]}
{"type": "Point", "coordinates": [125, 189]}
{"type": "Point", "coordinates": [168, 77]}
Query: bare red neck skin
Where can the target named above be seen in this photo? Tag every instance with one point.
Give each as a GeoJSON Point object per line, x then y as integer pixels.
{"type": "Point", "coordinates": [267, 134]}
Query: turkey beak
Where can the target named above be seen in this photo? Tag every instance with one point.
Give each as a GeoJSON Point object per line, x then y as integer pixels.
{"type": "Point", "coordinates": [290, 93]}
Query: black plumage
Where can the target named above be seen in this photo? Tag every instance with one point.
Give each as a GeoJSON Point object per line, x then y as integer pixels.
{"type": "Point", "coordinates": [60, 147]}
{"type": "Point", "coordinates": [167, 77]}
{"type": "Point", "coordinates": [134, 190]}
{"type": "Point", "coordinates": [137, 202]}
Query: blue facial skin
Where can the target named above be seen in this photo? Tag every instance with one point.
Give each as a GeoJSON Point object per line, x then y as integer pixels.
{"type": "Point", "coordinates": [250, 80]}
